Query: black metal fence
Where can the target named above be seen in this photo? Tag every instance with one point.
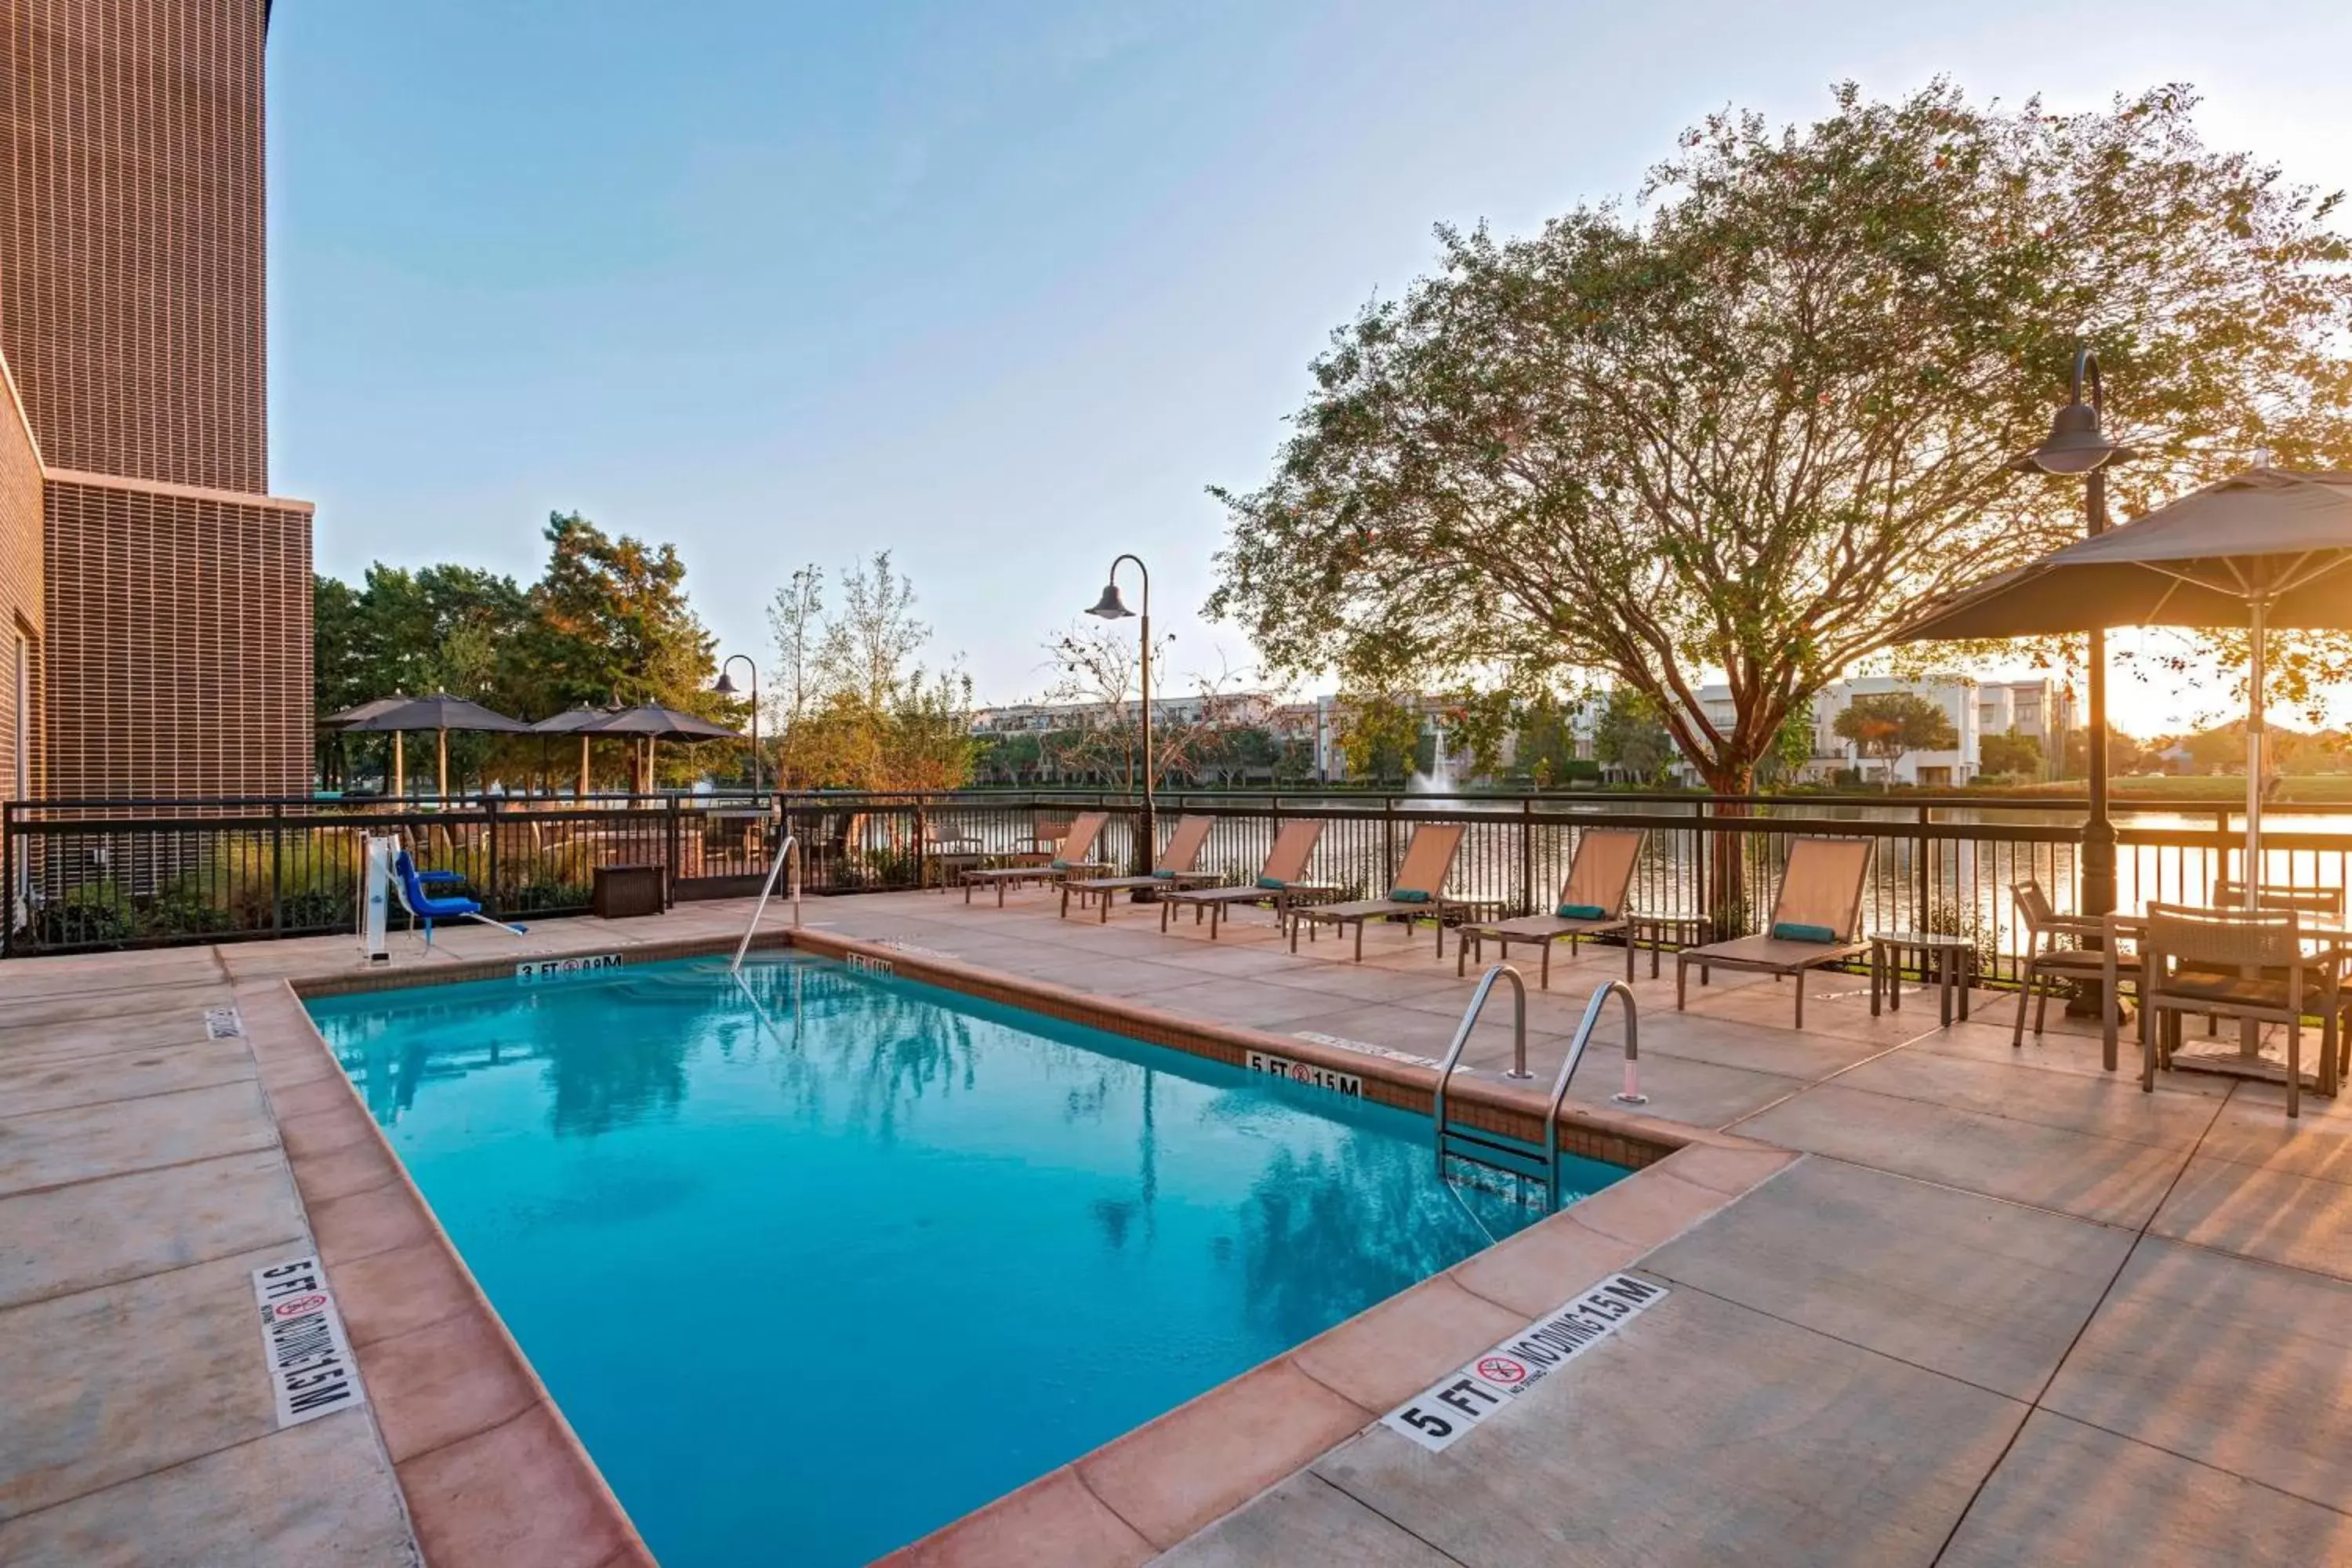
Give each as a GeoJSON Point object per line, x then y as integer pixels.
{"type": "Point", "coordinates": [85, 875]}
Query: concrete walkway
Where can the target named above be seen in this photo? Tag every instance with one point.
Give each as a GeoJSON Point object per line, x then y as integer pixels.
{"type": "Point", "coordinates": [2003, 1309]}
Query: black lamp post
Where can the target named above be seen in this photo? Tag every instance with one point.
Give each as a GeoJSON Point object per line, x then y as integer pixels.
{"type": "Point", "coordinates": [726, 688]}
{"type": "Point", "coordinates": [2078, 446]}
{"type": "Point", "coordinates": [1111, 607]}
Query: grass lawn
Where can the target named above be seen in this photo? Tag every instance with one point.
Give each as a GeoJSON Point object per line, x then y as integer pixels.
{"type": "Point", "coordinates": [2329, 789]}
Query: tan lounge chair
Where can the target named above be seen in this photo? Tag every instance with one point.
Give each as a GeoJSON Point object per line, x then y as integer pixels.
{"type": "Point", "coordinates": [1072, 855]}
{"type": "Point", "coordinates": [1282, 881]}
{"type": "Point", "coordinates": [1171, 871]}
{"type": "Point", "coordinates": [1419, 889]}
{"type": "Point", "coordinates": [1592, 900]}
{"type": "Point", "coordinates": [1813, 920]}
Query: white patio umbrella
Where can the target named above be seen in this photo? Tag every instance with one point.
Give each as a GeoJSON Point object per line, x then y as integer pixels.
{"type": "Point", "coordinates": [2266, 549]}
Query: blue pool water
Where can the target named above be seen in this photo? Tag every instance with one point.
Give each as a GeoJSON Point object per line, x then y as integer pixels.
{"type": "Point", "coordinates": [816, 1260]}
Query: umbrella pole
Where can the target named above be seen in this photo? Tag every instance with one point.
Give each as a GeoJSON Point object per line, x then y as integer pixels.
{"type": "Point", "coordinates": [399, 767]}
{"type": "Point", "coordinates": [441, 756]}
{"type": "Point", "coordinates": [581, 793]}
{"type": "Point", "coordinates": [2254, 860]}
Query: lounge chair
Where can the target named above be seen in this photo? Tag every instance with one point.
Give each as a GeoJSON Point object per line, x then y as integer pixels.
{"type": "Point", "coordinates": [1419, 889]}
{"type": "Point", "coordinates": [1172, 869]}
{"type": "Point", "coordinates": [1592, 902]}
{"type": "Point", "coordinates": [1072, 855]}
{"type": "Point", "coordinates": [1813, 920]}
{"type": "Point", "coordinates": [1282, 881]}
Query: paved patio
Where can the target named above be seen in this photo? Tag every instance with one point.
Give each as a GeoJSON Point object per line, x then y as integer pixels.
{"type": "Point", "coordinates": [2003, 1308]}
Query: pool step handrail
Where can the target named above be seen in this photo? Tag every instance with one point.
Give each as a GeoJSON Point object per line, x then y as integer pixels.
{"type": "Point", "coordinates": [786, 852]}
{"type": "Point", "coordinates": [1500, 1151]}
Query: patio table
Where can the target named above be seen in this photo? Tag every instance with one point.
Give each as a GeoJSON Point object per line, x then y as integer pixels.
{"type": "Point", "coordinates": [1949, 960]}
{"type": "Point", "coordinates": [2334, 945]}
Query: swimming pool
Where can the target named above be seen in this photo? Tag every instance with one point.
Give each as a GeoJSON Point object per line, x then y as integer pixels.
{"type": "Point", "coordinates": [816, 1260]}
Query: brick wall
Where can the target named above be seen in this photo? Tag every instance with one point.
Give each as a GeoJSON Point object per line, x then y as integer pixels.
{"type": "Point", "coordinates": [131, 305]}
{"type": "Point", "coordinates": [179, 640]}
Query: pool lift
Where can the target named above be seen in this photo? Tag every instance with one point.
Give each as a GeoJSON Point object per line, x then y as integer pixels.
{"type": "Point", "coordinates": [786, 852]}
{"type": "Point", "coordinates": [1499, 1150]}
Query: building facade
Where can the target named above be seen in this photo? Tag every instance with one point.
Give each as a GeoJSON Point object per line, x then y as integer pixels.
{"type": "Point", "coordinates": [157, 597]}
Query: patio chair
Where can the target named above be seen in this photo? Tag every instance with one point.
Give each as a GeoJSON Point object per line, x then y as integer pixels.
{"type": "Point", "coordinates": [1172, 869]}
{"type": "Point", "coordinates": [2237, 964]}
{"type": "Point", "coordinates": [1592, 902]}
{"type": "Point", "coordinates": [1419, 889]}
{"type": "Point", "coordinates": [1281, 882]}
{"type": "Point", "coordinates": [2047, 964]}
{"type": "Point", "coordinates": [1813, 920]}
{"type": "Point", "coordinates": [1072, 855]}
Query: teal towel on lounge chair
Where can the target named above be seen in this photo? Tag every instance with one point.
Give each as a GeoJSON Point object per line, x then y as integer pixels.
{"type": "Point", "coordinates": [1271, 883]}
{"type": "Point", "coordinates": [1790, 930]}
{"type": "Point", "coordinates": [1581, 912]}
{"type": "Point", "coordinates": [1059, 866]}
{"type": "Point", "coordinates": [1407, 896]}
{"type": "Point", "coordinates": [1164, 875]}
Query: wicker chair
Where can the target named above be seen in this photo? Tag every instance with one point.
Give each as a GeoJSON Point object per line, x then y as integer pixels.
{"type": "Point", "coordinates": [2244, 964]}
{"type": "Point", "coordinates": [2046, 962]}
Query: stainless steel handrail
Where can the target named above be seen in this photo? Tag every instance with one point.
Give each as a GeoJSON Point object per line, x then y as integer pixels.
{"type": "Point", "coordinates": [786, 852]}
{"type": "Point", "coordinates": [1630, 1095]}
{"type": "Point", "coordinates": [1461, 1038]}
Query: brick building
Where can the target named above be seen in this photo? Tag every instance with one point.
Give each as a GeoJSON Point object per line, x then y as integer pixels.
{"type": "Point", "coordinates": [155, 598]}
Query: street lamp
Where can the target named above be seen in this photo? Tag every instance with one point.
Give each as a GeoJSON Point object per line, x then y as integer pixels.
{"type": "Point", "coordinates": [1111, 607]}
{"type": "Point", "coordinates": [2078, 446]}
{"type": "Point", "coordinates": [726, 688]}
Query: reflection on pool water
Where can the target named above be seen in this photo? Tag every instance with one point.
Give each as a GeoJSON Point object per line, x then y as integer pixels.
{"type": "Point", "coordinates": [816, 1260]}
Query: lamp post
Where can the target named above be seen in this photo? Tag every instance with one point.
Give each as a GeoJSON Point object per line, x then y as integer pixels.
{"type": "Point", "coordinates": [2078, 446]}
{"type": "Point", "coordinates": [1111, 607]}
{"type": "Point", "coordinates": [726, 688]}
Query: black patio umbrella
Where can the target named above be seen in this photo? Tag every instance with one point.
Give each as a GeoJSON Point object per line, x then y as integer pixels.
{"type": "Point", "coordinates": [351, 716]}
{"type": "Point", "coordinates": [439, 713]}
{"type": "Point", "coordinates": [654, 722]}
{"type": "Point", "coordinates": [574, 721]}
{"type": "Point", "coordinates": [2266, 548]}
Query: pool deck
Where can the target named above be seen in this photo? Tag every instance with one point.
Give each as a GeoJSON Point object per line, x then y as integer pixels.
{"type": "Point", "coordinates": [1930, 1300]}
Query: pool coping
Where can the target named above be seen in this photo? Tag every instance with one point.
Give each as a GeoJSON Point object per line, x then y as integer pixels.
{"type": "Point", "coordinates": [458, 1400]}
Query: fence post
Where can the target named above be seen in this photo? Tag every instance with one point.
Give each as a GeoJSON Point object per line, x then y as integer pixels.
{"type": "Point", "coordinates": [8, 876]}
{"type": "Point", "coordinates": [490, 840]}
{"type": "Point", "coordinates": [1528, 855]}
{"type": "Point", "coordinates": [1919, 916]}
{"type": "Point", "coordinates": [1388, 844]}
{"type": "Point", "coordinates": [1701, 850]}
{"type": "Point", "coordinates": [922, 846]}
{"type": "Point", "coordinates": [669, 870]}
{"type": "Point", "coordinates": [277, 868]}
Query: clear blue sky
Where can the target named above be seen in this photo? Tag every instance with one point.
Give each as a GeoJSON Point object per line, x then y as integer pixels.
{"type": "Point", "coordinates": [999, 287]}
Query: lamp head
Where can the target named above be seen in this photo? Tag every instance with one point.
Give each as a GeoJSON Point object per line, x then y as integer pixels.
{"type": "Point", "coordinates": [723, 687]}
{"type": "Point", "coordinates": [2076, 445]}
{"type": "Point", "coordinates": [1111, 607]}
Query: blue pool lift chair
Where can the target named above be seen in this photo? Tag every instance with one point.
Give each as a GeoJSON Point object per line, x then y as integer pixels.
{"type": "Point", "coordinates": [412, 889]}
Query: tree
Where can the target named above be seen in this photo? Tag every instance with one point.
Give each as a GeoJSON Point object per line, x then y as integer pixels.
{"type": "Point", "coordinates": [1629, 738]}
{"type": "Point", "coordinates": [2011, 755]}
{"type": "Point", "coordinates": [861, 712]}
{"type": "Point", "coordinates": [1749, 427]}
{"type": "Point", "coordinates": [796, 618]}
{"type": "Point", "coordinates": [1886, 724]}
{"type": "Point", "coordinates": [1098, 677]}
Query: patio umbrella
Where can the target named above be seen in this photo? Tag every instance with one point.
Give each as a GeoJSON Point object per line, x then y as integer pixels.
{"type": "Point", "coordinates": [439, 713]}
{"type": "Point", "coordinates": [654, 722]}
{"type": "Point", "coordinates": [572, 721]}
{"type": "Point", "coordinates": [2265, 548]}
{"type": "Point", "coordinates": [350, 716]}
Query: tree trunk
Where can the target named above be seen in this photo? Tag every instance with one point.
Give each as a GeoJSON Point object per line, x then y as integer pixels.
{"type": "Point", "coordinates": [1727, 863]}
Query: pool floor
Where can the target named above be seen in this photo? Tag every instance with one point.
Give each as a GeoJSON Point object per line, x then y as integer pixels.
{"type": "Point", "coordinates": [816, 1260]}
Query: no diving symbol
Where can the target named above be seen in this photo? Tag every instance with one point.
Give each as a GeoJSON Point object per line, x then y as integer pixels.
{"type": "Point", "coordinates": [1502, 1371]}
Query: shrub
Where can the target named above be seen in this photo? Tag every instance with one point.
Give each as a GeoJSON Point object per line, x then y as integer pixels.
{"type": "Point", "coordinates": [95, 914]}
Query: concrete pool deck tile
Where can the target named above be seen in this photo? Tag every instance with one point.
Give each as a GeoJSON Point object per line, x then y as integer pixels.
{"type": "Point", "coordinates": [60, 1241]}
{"type": "Point", "coordinates": [1759, 1048]}
{"type": "Point", "coordinates": [1711, 1434]}
{"type": "Point", "coordinates": [2109, 1180]}
{"type": "Point", "coordinates": [1698, 1094]}
{"type": "Point", "coordinates": [445, 1381]}
{"type": "Point", "coordinates": [1053, 1522]}
{"type": "Point", "coordinates": [108, 1384]}
{"type": "Point", "coordinates": [2252, 1129]}
{"type": "Point", "coordinates": [320, 1493]}
{"type": "Point", "coordinates": [51, 1084]}
{"type": "Point", "coordinates": [338, 1123]}
{"type": "Point", "coordinates": [2278, 1216]}
{"type": "Point", "coordinates": [1391, 1350]}
{"type": "Point", "coordinates": [2109, 1107]}
{"type": "Point", "coordinates": [356, 1167]}
{"type": "Point", "coordinates": [1205, 1457]}
{"type": "Point", "coordinates": [84, 1142]}
{"type": "Point", "coordinates": [1235, 1001]}
{"type": "Point", "coordinates": [1305, 1520]}
{"type": "Point", "coordinates": [517, 1493]}
{"type": "Point", "coordinates": [2240, 1366]}
{"type": "Point", "coordinates": [2071, 1495]}
{"type": "Point", "coordinates": [1647, 1209]}
{"type": "Point", "coordinates": [1987, 1292]}
{"type": "Point", "coordinates": [366, 1223]}
{"type": "Point", "coordinates": [1731, 1167]}
{"type": "Point", "coordinates": [1550, 1261]}
{"type": "Point", "coordinates": [292, 1096]}
{"type": "Point", "coordinates": [397, 1292]}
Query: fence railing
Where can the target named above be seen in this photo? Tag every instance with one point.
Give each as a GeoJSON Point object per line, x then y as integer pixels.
{"type": "Point", "coordinates": [94, 874]}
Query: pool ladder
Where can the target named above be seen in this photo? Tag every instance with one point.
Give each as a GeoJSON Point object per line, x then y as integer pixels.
{"type": "Point", "coordinates": [785, 852]}
{"type": "Point", "coordinates": [1499, 1150]}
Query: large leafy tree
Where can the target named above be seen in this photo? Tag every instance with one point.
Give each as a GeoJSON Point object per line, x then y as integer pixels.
{"type": "Point", "coordinates": [1890, 724]}
{"type": "Point", "coordinates": [861, 710]}
{"type": "Point", "coordinates": [1743, 430]}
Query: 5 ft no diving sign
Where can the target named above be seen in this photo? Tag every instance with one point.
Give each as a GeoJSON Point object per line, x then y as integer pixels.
{"type": "Point", "coordinates": [303, 1344]}
{"type": "Point", "coordinates": [1438, 1415]}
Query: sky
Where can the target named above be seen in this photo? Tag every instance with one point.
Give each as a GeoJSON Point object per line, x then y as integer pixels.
{"type": "Point", "coordinates": [1000, 288]}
